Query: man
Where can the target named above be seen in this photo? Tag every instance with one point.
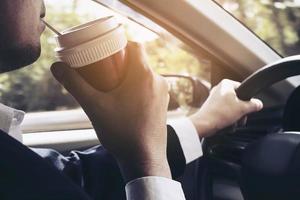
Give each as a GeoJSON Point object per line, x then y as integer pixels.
{"type": "Point", "coordinates": [133, 130]}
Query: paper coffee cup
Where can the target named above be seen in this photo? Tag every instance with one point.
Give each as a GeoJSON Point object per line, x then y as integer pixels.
{"type": "Point", "coordinates": [88, 43]}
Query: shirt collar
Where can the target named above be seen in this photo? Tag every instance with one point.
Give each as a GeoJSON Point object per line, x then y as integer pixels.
{"type": "Point", "coordinates": [10, 121]}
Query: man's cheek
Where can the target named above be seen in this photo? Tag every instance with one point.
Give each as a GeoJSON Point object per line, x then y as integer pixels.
{"type": "Point", "coordinates": [28, 31]}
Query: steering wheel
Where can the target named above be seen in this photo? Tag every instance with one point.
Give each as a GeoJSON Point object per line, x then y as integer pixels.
{"type": "Point", "coordinates": [271, 166]}
{"type": "Point", "coordinates": [268, 75]}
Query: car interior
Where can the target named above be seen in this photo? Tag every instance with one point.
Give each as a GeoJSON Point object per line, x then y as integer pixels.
{"type": "Point", "coordinates": [256, 160]}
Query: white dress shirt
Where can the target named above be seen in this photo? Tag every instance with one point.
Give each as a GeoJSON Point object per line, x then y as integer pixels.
{"type": "Point", "coordinates": [145, 188]}
{"type": "Point", "coordinates": [10, 121]}
{"type": "Point", "coordinates": [188, 138]}
{"type": "Point", "coordinates": [154, 188]}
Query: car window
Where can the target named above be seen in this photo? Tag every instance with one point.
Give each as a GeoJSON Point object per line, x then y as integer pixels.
{"type": "Point", "coordinates": [33, 89]}
{"type": "Point", "coordinates": [277, 22]}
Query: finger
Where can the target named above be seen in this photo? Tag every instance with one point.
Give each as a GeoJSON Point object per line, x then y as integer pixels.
{"type": "Point", "coordinates": [231, 83]}
{"type": "Point", "coordinates": [253, 105]}
{"type": "Point", "coordinates": [242, 121]}
{"type": "Point", "coordinates": [137, 65]}
{"type": "Point", "coordinates": [73, 83]}
{"type": "Point", "coordinates": [164, 84]}
{"type": "Point", "coordinates": [226, 86]}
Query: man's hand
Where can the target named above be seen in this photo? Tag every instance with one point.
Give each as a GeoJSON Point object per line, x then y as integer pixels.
{"type": "Point", "coordinates": [130, 121]}
{"type": "Point", "coordinates": [222, 108]}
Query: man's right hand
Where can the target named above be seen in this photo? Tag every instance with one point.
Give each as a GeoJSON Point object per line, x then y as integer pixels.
{"type": "Point", "coordinates": [130, 121]}
{"type": "Point", "coordinates": [222, 108]}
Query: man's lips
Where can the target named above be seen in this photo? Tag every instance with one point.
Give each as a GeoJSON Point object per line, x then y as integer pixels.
{"type": "Point", "coordinates": [42, 27]}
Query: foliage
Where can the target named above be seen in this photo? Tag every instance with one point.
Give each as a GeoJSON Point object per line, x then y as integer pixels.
{"type": "Point", "coordinates": [275, 21]}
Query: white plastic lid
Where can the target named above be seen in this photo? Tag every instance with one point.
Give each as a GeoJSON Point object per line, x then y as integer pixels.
{"type": "Point", "coordinates": [88, 43]}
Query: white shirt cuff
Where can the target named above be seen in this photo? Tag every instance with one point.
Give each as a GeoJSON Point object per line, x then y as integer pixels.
{"type": "Point", "coordinates": [154, 188]}
{"type": "Point", "coordinates": [188, 138]}
{"type": "Point", "coordinates": [10, 121]}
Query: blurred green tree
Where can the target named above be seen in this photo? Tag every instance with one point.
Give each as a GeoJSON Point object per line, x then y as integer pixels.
{"type": "Point", "coordinates": [277, 22]}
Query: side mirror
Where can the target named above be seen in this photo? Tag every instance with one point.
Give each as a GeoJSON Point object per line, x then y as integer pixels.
{"type": "Point", "coordinates": [186, 91]}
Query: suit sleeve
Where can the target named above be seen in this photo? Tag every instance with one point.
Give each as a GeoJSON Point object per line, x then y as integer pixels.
{"type": "Point", "coordinates": [97, 173]}
{"type": "Point", "coordinates": [25, 175]}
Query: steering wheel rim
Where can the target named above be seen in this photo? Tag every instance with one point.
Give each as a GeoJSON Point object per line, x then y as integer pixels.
{"type": "Point", "coordinates": [260, 160]}
{"type": "Point", "coordinates": [267, 76]}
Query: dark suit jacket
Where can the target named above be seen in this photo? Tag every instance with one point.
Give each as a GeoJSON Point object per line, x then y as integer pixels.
{"type": "Point", "coordinates": [44, 174]}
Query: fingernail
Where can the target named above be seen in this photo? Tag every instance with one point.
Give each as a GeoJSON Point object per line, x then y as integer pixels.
{"type": "Point", "coordinates": [259, 105]}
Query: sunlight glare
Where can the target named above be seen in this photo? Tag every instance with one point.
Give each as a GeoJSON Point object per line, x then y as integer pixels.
{"type": "Point", "coordinates": [90, 10]}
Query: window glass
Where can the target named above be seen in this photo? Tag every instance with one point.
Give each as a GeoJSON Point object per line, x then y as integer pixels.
{"type": "Point", "coordinates": [277, 22]}
{"type": "Point", "coordinates": [33, 88]}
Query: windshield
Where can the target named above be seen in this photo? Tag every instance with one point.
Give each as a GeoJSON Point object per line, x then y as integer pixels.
{"type": "Point", "coordinates": [277, 22]}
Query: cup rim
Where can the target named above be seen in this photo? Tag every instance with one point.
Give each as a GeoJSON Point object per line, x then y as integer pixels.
{"type": "Point", "coordinates": [86, 31]}
{"type": "Point", "coordinates": [73, 49]}
{"type": "Point", "coordinates": [94, 50]}
{"type": "Point", "coordinates": [85, 25]}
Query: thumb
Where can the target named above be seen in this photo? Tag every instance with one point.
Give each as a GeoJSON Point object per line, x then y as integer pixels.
{"type": "Point", "coordinates": [253, 105]}
{"type": "Point", "coordinates": [138, 67]}
{"type": "Point", "coordinates": [73, 83]}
